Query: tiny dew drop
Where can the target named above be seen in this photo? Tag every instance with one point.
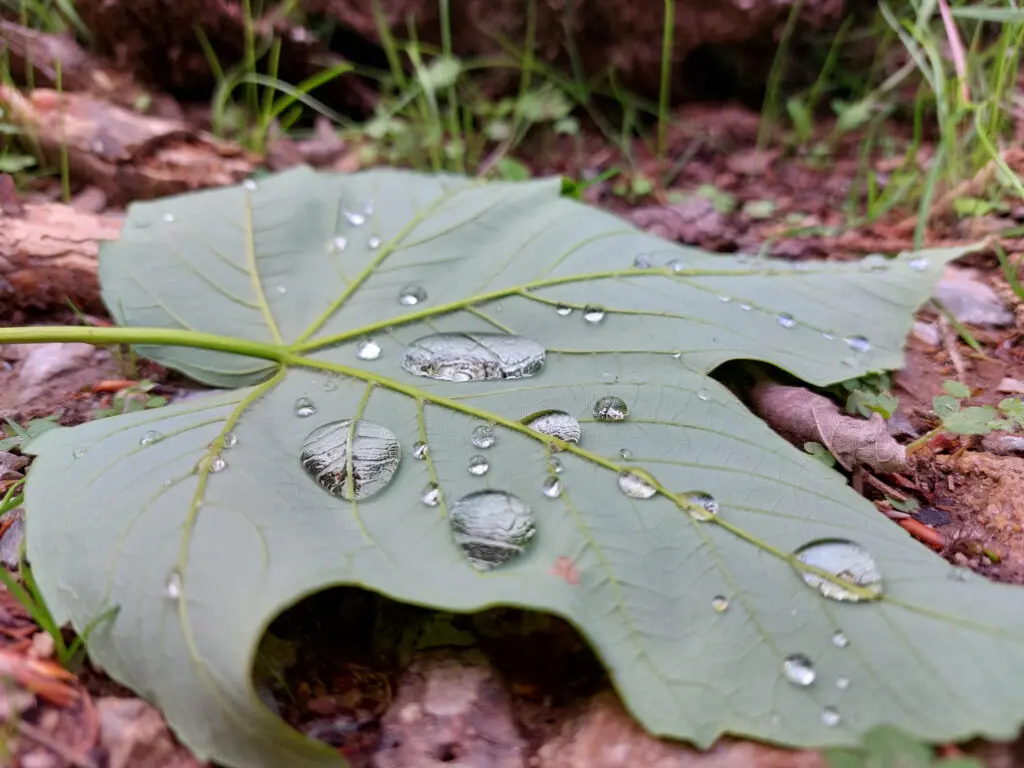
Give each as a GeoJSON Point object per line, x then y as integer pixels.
{"type": "Point", "coordinates": [635, 485]}
{"type": "Point", "coordinates": [919, 264]}
{"type": "Point", "coordinates": [642, 261]}
{"type": "Point", "coordinates": [491, 528]}
{"type": "Point", "coordinates": [610, 409]}
{"type": "Point", "coordinates": [703, 395]}
{"type": "Point", "coordinates": [412, 295]}
{"type": "Point", "coordinates": [483, 436]}
{"type": "Point", "coordinates": [799, 670]}
{"type": "Point", "coordinates": [304, 407]}
{"type": "Point", "coordinates": [725, 299]}
{"type": "Point", "coordinates": [842, 683]}
{"type": "Point", "coordinates": [355, 218]}
{"type": "Point", "coordinates": [368, 349]}
{"type": "Point", "coordinates": [626, 454]}
{"type": "Point", "coordinates": [420, 450]}
{"type": "Point", "coordinates": [339, 243]}
{"type": "Point", "coordinates": [478, 465]}
{"type": "Point", "coordinates": [593, 315]}
{"type": "Point", "coordinates": [843, 560]}
{"type": "Point", "coordinates": [828, 336]}
{"type": "Point", "coordinates": [373, 243]}
{"type": "Point", "coordinates": [705, 506]}
{"type": "Point", "coordinates": [351, 459]}
{"type": "Point", "coordinates": [150, 437]}
{"type": "Point", "coordinates": [858, 343]}
{"type": "Point", "coordinates": [168, 217]}
{"type": "Point", "coordinates": [608, 378]}
{"type": "Point", "coordinates": [839, 639]}
{"type": "Point", "coordinates": [280, 289]}
{"type": "Point", "coordinates": [552, 487]}
{"type": "Point", "coordinates": [830, 717]}
{"type": "Point", "coordinates": [250, 185]}
{"type": "Point", "coordinates": [230, 440]}
{"type": "Point", "coordinates": [720, 603]}
{"type": "Point", "coordinates": [563, 310]}
{"type": "Point", "coordinates": [79, 452]}
{"type": "Point", "coordinates": [746, 307]}
{"type": "Point", "coordinates": [556, 466]}
{"type": "Point", "coordinates": [676, 354]}
{"type": "Point", "coordinates": [786, 320]}
{"type": "Point", "coordinates": [431, 495]}
{"type": "Point", "coordinates": [676, 266]}
{"type": "Point", "coordinates": [173, 586]}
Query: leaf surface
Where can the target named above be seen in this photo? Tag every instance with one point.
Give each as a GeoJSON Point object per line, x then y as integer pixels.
{"type": "Point", "coordinates": [200, 561]}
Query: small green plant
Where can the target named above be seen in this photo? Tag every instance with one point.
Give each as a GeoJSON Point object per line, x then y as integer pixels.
{"type": "Point", "coordinates": [958, 419]}
{"type": "Point", "coordinates": [131, 399]}
{"type": "Point", "coordinates": [886, 747]}
{"type": "Point", "coordinates": [870, 394]}
{"type": "Point", "coordinates": [16, 435]}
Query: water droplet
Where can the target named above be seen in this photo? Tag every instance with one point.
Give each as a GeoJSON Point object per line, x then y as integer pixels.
{"type": "Point", "coordinates": [676, 354]}
{"type": "Point", "coordinates": [339, 243]}
{"type": "Point", "coordinates": [842, 683]}
{"type": "Point", "coordinates": [556, 465]}
{"type": "Point", "coordinates": [705, 502]}
{"type": "Point", "coordinates": [250, 185]}
{"type": "Point", "coordinates": [839, 639]}
{"type": "Point", "coordinates": [217, 464]}
{"type": "Point", "coordinates": [610, 409]}
{"type": "Point", "coordinates": [79, 452]}
{"type": "Point", "coordinates": [746, 307]}
{"type": "Point", "coordinates": [828, 336]}
{"type": "Point", "coordinates": [720, 603]}
{"type": "Point", "coordinates": [858, 343]}
{"type": "Point", "coordinates": [420, 450]}
{"type": "Point", "coordinates": [830, 717]}
{"type": "Point", "coordinates": [491, 527]}
{"type": "Point", "coordinates": [552, 487]}
{"type": "Point", "coordinates": [478, 465]}
{"type": "Point", "coordinates": [625, 454]}
{"type": "Point", "coordinates": [473, 357]}
{"type": "Point", "coordinates": [786, 320]}
{"type": "Point", "coordinates": [676, 266]}
{"type": "Point", "coordinates": [725, 299]}
{"type": "Point", "coordinates": [844, 560]}
{"type": "Point", "coordinates": [557, 424]}
{"type": "Point", "coordinates": [593, 315]}
{"type": "Point", "coordinates": [230, 440]}
{"type": "Point", "coordinates": [168, 217]}
{"type": "Point", "coordinates": [431, 495]}
{"type": "Point", "coordinates": [959, 573]}
{"type": "Point", "coordinates": [368, 349]}
{"type": "Point", "coordinates": [703, 395]}
{"type": "Point", "coordinates": [563, 310]}
{"type": "Point", "coordinates": [919, 264]}
{"type": "Point", "coordinates": [150, 437]}
{"type": "Point", "coordinates": [373, 243]}
{"type": "Point", "coordinates": [173, 588]}
{"type": "Point", "coordinates": [353, 459]}
{"type": "Point", "coordinates": [304, 407]}
{"type": "Point", "coordinates": [483, 436]}
{"type": "Point", "coordinates": [355, 218]}
{"type": "Point", "coordinates": [412, 295]}
{"type": "Point", "coordinates": [642, 261]}
{"type": "Point", "coordinates": [799, 670]}
{"type": "Point", "coordinates": [874, 262]}
{"type": "Point", "coordinates": [608, 378]}
{"type": "Point", "coordinates": [368, 207]}
{"type": "Point", "coordinates": [330, 384]}
{"type": "Point", "coordinates": [281, 290]}
{"type": "Point", "coordinates": [633, 483]}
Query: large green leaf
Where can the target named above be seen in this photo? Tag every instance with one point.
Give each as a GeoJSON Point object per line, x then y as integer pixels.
{"type": "Point", "coordinates": [113, 521]}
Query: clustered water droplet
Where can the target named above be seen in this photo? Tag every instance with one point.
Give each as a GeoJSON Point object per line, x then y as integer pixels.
{"type": "Point", "coordinates": [720, 603]}
{"type": "Point", "coordinates": [786, 320]}
{"type": "Point", "coordinates": [635, 485]}
{"type": "Point", "coordinates": [412, 295]}
{"type": "Point", "coordinates": [420, 450]}
{"type": "Point", "coordinates": [552, 487]}
{"type": "Point", "coordinates": [483, 436]}
{"type": "Point", "coordinates": [352, 459]}
{"type": "Point", "coordinates": [491, 527]}
{"type": "Point", "coordinates": [304, 407]}
{"type": "Point", "coordinates": [368, 349]}
{"type": "Point", "coordinates": [703, 507]}
{"type": "Point", "coordinates": [843, 560]}
{"type": "Point", "coordinates": [474, 357]}
{"type": "Point", "coordinates": [150, 437]}
{"type": "Point", "coordinates": [799, 670]}
{"type": "Point", "coordinates": [610, 408]}
{"type": "Point", "coordinates": [478, 465]}
{"type": "Point", "coordinates": [557, 424]}
{"type": "Point", "coordinates": [593, 314]}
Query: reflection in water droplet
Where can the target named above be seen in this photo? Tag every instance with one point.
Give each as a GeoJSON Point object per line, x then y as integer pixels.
{"type": "Point", "coordinates": [842, 683]}
{"type": "Point", "coordinates": [173, 587]}
{"type": "Point", "coordinates": [642, 261]}
{"type": "Point", "coordinates": [830, 717]}
{"type": "Point", "coordinates": [168, 217]}
{"type": "Point", "coordinates": [746, 307]}
{"type": "Point", "coordinates": [352, 459]}
{"type": "Point", "coordinates": [150, 437]}
{"type": "Point", "coordinates": [355, 218]}
{"type": "Point", "coordinates": [552, 487]}
{"type": "Point", "coordinates": [556, 465]}
{"type": "Point", "coordinates": [858, 343]}
{"type": "Point", "coordinates": [373, 243]}
{"type": "Point", "coordinates": [799, 670]}
{"type": "Point", "coordinates": [608, 378]}
{"type": "Point", "coordinates": [557, 424]}
{"type": "Point", "coordinates": [633, 483]}
{"type": "Point", "coordinates": [478, 465]}
{"type": "Point", "coordinates": [412, 295]}
{"type": "Point", "coordinates": [431, 495]}
{"type": "Point", "coordinates": [839, 639]}
{"type": "Point", "coordinates": [491, 527]}
{"type": "Point", "coordinates": [703, 395]}
{"type": "Point", "coordinates": [593, 315]}
{"type": "Point", "coordinates": [483, 436]}
{"type": "Point", "coordinates": [250, 185]}
{"type": "Point", "coordinates": [610, 409]}
{"type": "Point", "coordinates": [473, 357]}
{"type": "Point", "coordinates": [230, 440]}
{"type": "Point", "coordinates": [786, 320]}
{"type": "Point", "coordinates": [720, 603]}
{"type": "Point", "coordinates": [563, 310]}
{"type": "Point", "coordinates": [217, 464]}
{"type": "Point", "coordinates": [844, 560]}
{"type": "Point", "coordinates": [304, 407]}
{"type": "Point", "coordinates": [368, 349]}
{"type": "Point", "coordinates": [420, 450]}
{"type": "Point", "coordinates": [706, 505]}
{"type": "Point", "coordinates": [919, 264]}
{"type": "Point", "coordinates": [79, 452]}
{"type": "Point", "coordinates": [625, 454]}
{"type": "Point", "coordinates": [339, 243]}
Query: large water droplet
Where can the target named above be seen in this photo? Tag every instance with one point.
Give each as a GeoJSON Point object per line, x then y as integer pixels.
{"type": "Point", "coordinates": [563, 310]}
{"type": "Point", "coordinates": [478, 465]}
{"type": "Point", "coordinates": [431, 495]}
{"type": "Point", "coordinates": [798, 670]}
{"type": "Point", "coordinates": [610, 408]}
{"type": "Point", "coordinates": [352, 459]}
{"type": "Point", "coordinates": [150, 437]}
{"type": "Point", "coordinates": [339, 244]}
{"type": "Point", "coordinates": [368, 349]}
{"type": "Point", "coordinates": [483, 436]}
{"type": "Point", "coordinates": [830, 717]}
{"type": "Point", "coordinates": [705, 505]}
{"type": "Point", "coordinates": [557, 424]}
{"type": "Point", "coordinates": [633, 483]}
{"type": "Point", "coordinates": [491, 527]}
{"type": "Point", "coordinates": [230, 440]}
{"type": "Point", "coordinates": [858, 343]}
{"type": "Point", "coordinates": [473, 357]}
{"type": "Point", "coordinates": [552, 487]}
{"type": "Point", "coordinates": [420, 450]}
{"type": "Point", "coordinates": [786, 320]}
{"type": "Point", "coordinates": [839, 639]}
{"type": "Point", "coordinates": [593, 315]}
{"type": "Point", "coordinates": [919, 264]}
{"type": "Point", "coordinates": [844, 560]}
{"type": "Point", "coordinates": [304, 407]}
{"type": "Point", "coordinates": [720, 603]}
{"type": "Point", "coordinates": [412, 295]}
{"type": "Point", "coordinates": [355, 218]}
{"type": "Point", "coordinates": [173, 587]}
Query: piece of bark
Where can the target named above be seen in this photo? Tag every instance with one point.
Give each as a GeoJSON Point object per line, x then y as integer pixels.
{"type": "Point", "coordinates": [803, 416]}
{"type": "Point", "coordinates": [127, 155]}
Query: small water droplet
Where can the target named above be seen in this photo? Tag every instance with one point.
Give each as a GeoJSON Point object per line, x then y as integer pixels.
{"type": "Point", "coordinates": [483, 436]}
{"type": "Point", "coordinates": [786, 320]}
{"type": "Point", "coordinates": [625, 454]}
{"type": "Point", "coordinates": [842, 683]}
{"type": "Point", "coordinates": [355, 218]}
{"type": "Point", "coordinates": [368, 349]}
{"type": "Point", "coordinates": [373, 243]}
{"type": "Point", "coordinates": [420, 450]}
{"type": "Point", "coordinates": [474, 357]}
{"type": "Point", "coordinates": [676, 266]}
{"type": "Point", "coordinates": [412, 295]}
{"type": "Point", "coordinates": [703, 395]}
{"type": "Point", "coordinates": [281, 290]}
{"type": "Point", "coordinates": [168, 217]}
{"type": "Point", "coordinates": [555, 464]}
{"type": "Point", "coordinates": [552, 487]}
{"type": "Point", "coordinates": [593, 315]}
{"type": "Point", "coordinates": [304, 407]}
{"type": "Point", "coordinates": [478, 465]}
{"type": "Point", "coordinates": [676, 354]}
{"type": "Point", "coordinates": [230, 440]}
{"type": "Point", "coordinates": [858, 343]}
{"type": "Point", "coordinates": [217, 464]}
{"type": "Point", "coordinates": [563, 310]}
{"type": "Point", "coordinates": [830, 717]}
{"type": "Point", "coordinates": [919, 264]}
{"type": "Point", "coordinates": [725, 299]}
{"type": "Point", "coordinates": [642, 261]}
{"type": "Point", "coordinates": [339, 244]}
{"type": "Point", "coordinates": [633, 483]}
{"type": "Point", "coordinates": [959, 573]}
{"type": "Point", "coordinates": [720, 603]}
{"type": "Point", "coordinates": [79, 452]}
{"type": "Point", "coordinates": [799, 670]}
{"type": "Point", "coordinates": [557, 424]}
{"type": "Point", "coordinates": [844, 560]}
{"type": "Point", "coordinates": [610, 409]}
{"type": "Point", "coordinates": [173, 587]}
{"type": "Point", "coordinates": [874, 262]}
{"type": "Point", "coordinates": [746, 307]}
{"type": "Point", "coordinates": [330, 384]}
{"type": "Point", "coordinates": [491, 528]}
{"type": "Point", "coordinates": [431, 495]}
{"type": "Point", "coordinates": [150, 437]}
{"type": "Point", "coordinates": [828, 336]}
{"type": "Point", "coordinates": [250, 185]}
{"type": "Point", "coordinates": [706, 505]}
{"type": "Point", "coordinates": [839, 639]}
{"type": "Point", "coordinates": [352, 459]}
{"type": "Point", "coordinates": [608, 378]}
